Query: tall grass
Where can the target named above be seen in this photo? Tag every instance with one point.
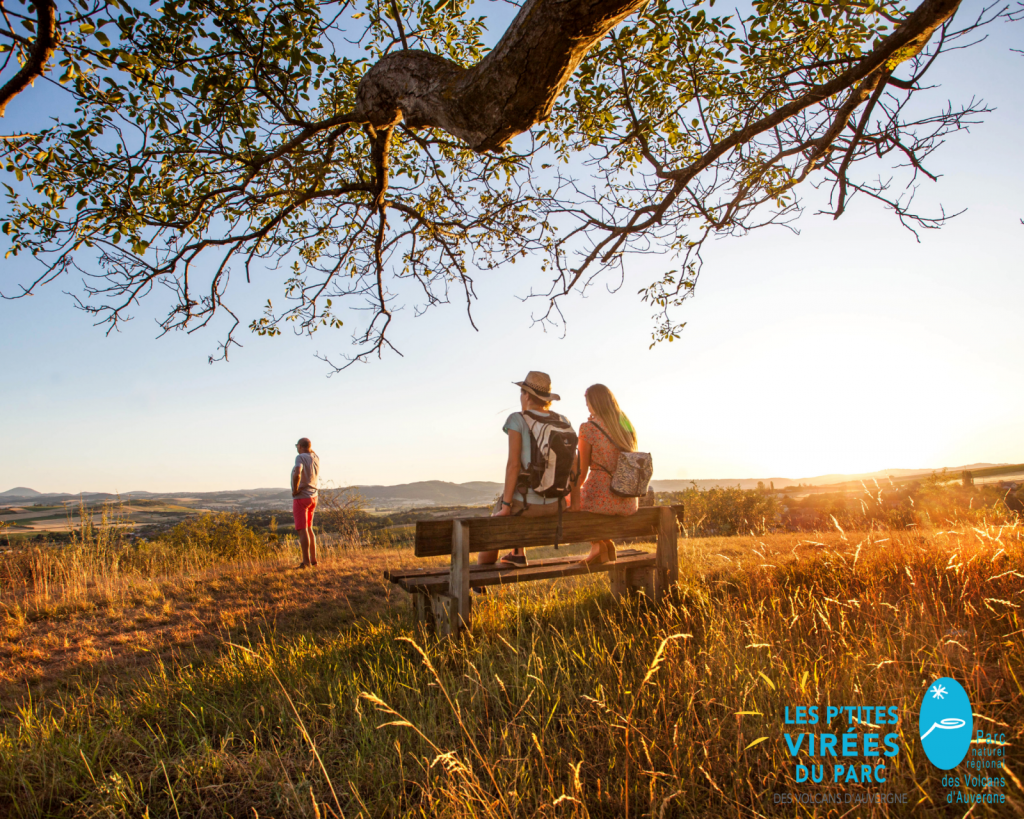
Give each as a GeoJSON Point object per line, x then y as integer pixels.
{"type": "Point", "coordinates": [559, 702]}
{"type": "Point", "coordinates": [103, 553]}
{"type": "Point", "coordinates": [103, 558]}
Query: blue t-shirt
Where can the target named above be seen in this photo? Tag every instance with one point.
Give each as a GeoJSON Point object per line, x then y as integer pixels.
{"type": "Point", "coordinates": [517, 422]}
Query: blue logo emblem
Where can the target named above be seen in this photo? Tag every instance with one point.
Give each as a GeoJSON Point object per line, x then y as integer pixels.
{"type": "Point", "coordinates": [946, 723]}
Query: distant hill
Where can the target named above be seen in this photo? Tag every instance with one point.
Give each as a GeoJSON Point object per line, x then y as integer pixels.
{"type": "Point", "coordinates": [445, 493]}
{"type": "Point", "coordinates": [440, 493]}
{"type": "Point", "coordinates": [21, 492]}
{"type": "Point", "coordinates": [827, 480]}
{"type": "Point", "coordinates": [711, 483]}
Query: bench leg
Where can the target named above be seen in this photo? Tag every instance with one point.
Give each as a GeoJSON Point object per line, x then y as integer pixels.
{"type": "Point", "coordinates": [619, 583]}
{"type": "Point", "coordinates": [458, 584]}
{"type": "Point", "coordinates": [668, 553]}
{"type": "Point", "coordinates": [438, 614]}
{"type": "Point", "coordinates": [625, 582]}
{"type": "Point", "coordinates": [447, 622]}
{"type": "Point", "coordinates": [423, 609]}
{"type": "Point", "coordinates": [644, 581]}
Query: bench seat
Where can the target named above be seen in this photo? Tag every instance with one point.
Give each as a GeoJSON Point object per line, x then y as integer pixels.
{"type": "Point", "coordinates": [432, 581]}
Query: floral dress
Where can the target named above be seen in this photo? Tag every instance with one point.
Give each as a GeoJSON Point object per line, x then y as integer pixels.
{"type": "Point", "coordinates": [596, 494]}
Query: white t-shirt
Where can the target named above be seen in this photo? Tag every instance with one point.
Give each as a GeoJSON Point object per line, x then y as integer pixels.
{"type": "Point", "coordinates": [307, 468]}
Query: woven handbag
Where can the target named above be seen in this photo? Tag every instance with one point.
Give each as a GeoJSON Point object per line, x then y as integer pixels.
{"type": "Point", "coordinates": [633, 470]}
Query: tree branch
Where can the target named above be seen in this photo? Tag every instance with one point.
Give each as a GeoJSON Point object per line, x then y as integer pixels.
{"type": "Point", "coordinates": [40, 52]}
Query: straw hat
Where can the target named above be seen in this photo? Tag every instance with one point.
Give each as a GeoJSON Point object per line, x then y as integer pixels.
{"type": "Point", "coordinates": [538, 384]}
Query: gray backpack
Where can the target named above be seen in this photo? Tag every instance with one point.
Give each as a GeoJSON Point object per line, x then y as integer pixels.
{"type": "Point", "coordinates": [632, 473]}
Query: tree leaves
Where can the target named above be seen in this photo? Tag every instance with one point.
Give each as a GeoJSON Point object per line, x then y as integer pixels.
{"type": "Point", "coordinates": [216, 137]}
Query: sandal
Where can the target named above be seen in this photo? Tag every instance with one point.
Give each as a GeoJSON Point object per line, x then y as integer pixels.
{"type": "Point", "coordinates": [514, 560]}
{"type": "Point", "coordinates": [605, 555]}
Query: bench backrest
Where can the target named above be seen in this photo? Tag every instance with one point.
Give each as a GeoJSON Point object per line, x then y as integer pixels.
{"type": "Point", "coordinates": [434, 537]}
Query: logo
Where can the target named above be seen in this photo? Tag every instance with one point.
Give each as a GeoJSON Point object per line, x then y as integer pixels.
{"type": "Point", "coordinates": [946, 723]}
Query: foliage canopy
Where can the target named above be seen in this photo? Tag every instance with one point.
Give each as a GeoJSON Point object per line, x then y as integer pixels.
{"type": "Point", "coordinates": [376, 152]}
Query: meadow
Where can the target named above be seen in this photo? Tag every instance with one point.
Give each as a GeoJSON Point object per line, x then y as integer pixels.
{"type": "Point", "coordinates": [201, 676]}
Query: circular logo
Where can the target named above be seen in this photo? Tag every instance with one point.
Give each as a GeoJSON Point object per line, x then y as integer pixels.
{"type": "Point", "coordinates": [946, 723]}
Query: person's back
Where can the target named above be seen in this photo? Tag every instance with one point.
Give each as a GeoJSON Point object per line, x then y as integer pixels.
{"type": "Point", "coordinates": [304, 483]}
{"type": "Point", "coordinates": [517, 497]}
{"type": "Point", "coordinates": [308, 466]}
{"type": "Point", "coordinates": [602, 437]}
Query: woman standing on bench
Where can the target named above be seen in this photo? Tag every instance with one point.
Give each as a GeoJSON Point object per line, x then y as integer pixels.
{"type": "Point", "coordinates": [535, 396]}
{"type": "Point", "coordinates": [602, 436]}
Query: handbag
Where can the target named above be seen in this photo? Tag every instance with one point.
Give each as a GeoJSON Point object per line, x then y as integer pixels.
{"type": "Point", "coordinates": [633, 470]}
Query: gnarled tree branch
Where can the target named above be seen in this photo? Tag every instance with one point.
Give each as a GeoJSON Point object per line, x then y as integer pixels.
{"type": "Point", "coordinates": [40, 50]}
{"type": "Point", "coordinates": [508, 92]}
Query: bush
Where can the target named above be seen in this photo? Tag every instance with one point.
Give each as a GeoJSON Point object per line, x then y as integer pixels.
{"type": "Point", "coordinates": [729, 511]}
{"type": "Point", "coordinates": [933, 501]}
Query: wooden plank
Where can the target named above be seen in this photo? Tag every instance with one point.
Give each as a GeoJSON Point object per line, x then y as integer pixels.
{"type": "Point", "coordinates": [434, 537]}
{"type": "Point", "coordinates": [645, 581]}
{"type": "Point", "coordinates": [619, 582]}
{"type": "Point", "coordinates": [444, 609]}
{"type": "Point", "coordinates": [668, 551]}
{"type": "Point", "coordinates": [400, 575]}
{"type": "Point", "coordinates": [500, 577]}
{"type": "Point", "coordinates": [434, 531]}
{"type": "Point", "coordinates": [424, 611]}
{"type": "Point", "coordinates": [458, 581]}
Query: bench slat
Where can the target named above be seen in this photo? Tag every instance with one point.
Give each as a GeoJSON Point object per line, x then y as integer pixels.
{"type": "Point", "coordinates": [434, 537]}
{"type": "Point", "coordinates": [494, 577]}
{"type": "Point", "coordinates": [399, 575]}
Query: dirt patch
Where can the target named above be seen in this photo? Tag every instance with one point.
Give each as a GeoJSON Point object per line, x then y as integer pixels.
{"type": "Point", "coordinates": [118, 633]}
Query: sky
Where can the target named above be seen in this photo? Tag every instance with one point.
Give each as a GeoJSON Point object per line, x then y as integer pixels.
{"type": "Point", "coordinates": [847, 348]}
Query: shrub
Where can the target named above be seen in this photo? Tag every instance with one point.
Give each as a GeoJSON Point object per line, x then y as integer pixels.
{"type": "Point", "coordinates": [728, 511]}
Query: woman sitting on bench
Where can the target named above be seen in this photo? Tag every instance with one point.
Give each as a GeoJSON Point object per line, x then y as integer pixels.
{"type": "Point", "coordinates": [606, 433]}
{"type": "Point", "coordinates": [534, 396]}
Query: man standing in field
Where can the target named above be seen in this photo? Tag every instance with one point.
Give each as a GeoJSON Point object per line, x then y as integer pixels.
{"type": "Point", "coordinates": [305, 475]}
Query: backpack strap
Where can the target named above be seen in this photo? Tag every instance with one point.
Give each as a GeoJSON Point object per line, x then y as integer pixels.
{"type": "Point", "coordinates": [606, 435]}
{"type": "Point", "coordinates": [594, 463]}
{"type": "Point", "coordinates": [523, 481]}
{"type": "Point", "coordinates": [558, 531]}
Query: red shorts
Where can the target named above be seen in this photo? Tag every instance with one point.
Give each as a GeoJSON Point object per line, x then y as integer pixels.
{"type": "Point", "coordinates": [302, 511]}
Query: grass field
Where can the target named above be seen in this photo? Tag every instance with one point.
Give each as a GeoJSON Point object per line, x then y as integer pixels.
{"type": "Point", "coordinates": [246, 688]}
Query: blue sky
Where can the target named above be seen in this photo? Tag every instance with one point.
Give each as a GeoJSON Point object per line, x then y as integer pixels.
{"type": "Point", "coordinates": [848, 348]}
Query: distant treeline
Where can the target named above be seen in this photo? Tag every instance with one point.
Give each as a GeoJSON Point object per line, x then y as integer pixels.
{"type": "Point", "coordinates": [932, 501]}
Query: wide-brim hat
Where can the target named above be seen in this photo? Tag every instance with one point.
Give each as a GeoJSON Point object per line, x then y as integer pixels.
{"type": "Point", "coordinates": [538, 385]}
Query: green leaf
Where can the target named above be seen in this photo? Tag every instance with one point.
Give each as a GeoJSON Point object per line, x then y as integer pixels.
{"type": "Point", "coordinates": [104, 40]}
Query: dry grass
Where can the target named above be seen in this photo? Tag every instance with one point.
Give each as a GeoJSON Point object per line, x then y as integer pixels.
{"type": "Point", "coordinates": [299, 694]}
{"type": "Point", "coordinates": [116, 630]}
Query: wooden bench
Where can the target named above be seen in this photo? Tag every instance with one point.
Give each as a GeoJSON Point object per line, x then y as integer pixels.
{"type": "Point", "coordinates": [441, 596]}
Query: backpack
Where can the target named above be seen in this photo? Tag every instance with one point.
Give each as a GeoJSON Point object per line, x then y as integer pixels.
{"type": "Point", "coordinates": [632, 473]}
{"type": "Point", "coordinates": [552, 455]}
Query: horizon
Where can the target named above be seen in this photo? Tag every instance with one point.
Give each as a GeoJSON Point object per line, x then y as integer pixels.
{"type": "Point", "coordinates": [801, 481]}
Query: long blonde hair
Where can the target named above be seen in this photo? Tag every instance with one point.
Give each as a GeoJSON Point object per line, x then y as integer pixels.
{"type": "Point", "coordinates": [611, 417]}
